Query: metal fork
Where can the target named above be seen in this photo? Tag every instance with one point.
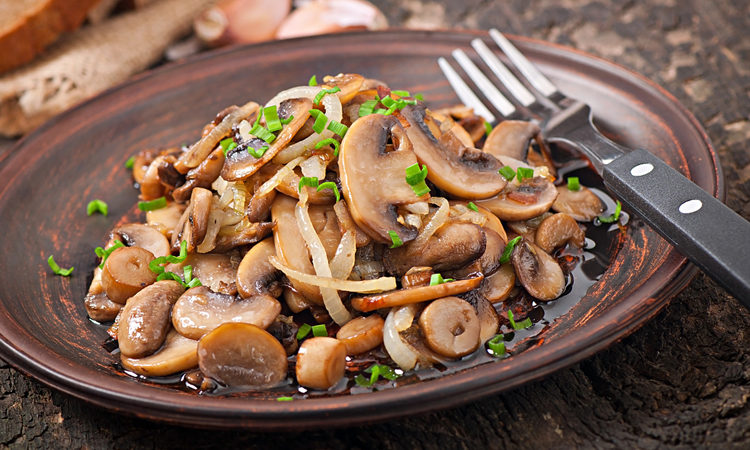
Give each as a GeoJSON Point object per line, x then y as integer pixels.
{"type": "Point", "coordinates": [700, 227]}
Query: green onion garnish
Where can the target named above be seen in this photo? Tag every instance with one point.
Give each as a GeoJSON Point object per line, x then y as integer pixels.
{"type": "Point", "coordinates": [287, 120]}
{"type": "Point", "coordinates": [262, 133]}
{"type": "Point", "coordinates": [227, 145]}
{"type": "Point", "coordinates": [303, 331]}
{"type": "Point", "coordinates": [130, 163]}
{"type": "Point", "coordinates": [272, 118]}
{"type": "Point", "coordinates": [257, 152]}
{"type": "Point", "coordinates": [380, 111]}
{"type": "Point", "coordinates": [55, 268]}
{"type": "Point", "coordinates": [320, 120]}
{"type": "Point", "coordinates": [188, 272]}
{"type": "Point", "coordinates": [524, 173]}
{"type": "Point", "coordinates": [193, 283]}
{"type": "Point", "coordinates": [338, 128]}
{"type": "Point", "coordinates": [286, 399]}
{"type": "Point", "coordinates": [508, 249]}
{"type": "Point", "coordinates": [419, 97]}
{"type": "Point", "coordinates": [330, 141]}
{"type": "Point", "coordinates": [573, 184]}
{"type": "Point", "coordinates": [391, 110]}
{"type": "Point", "coordinates": [308, 181]}
{"type": "Point", "coordinates": [313, 81]}
{"type": "Point", "coordinates": [415, 178]}
{"type": "Point", "coordinates": [437, 278]}
{"type": "Point", "coordinates": [97, 206]}
{"type": "Point", "coordinates": [368, 107]}
{"type": "Point", "coordinates": [320, 330]}
{"type": "Point", "coordinates": [104, 254]}
{"type": "Point", "coordinates": [401, 93]}
{"type": "Point", "coordinates": [376, 371]}
{"type": "Point", "coordinates": [159, 203]}
{"type": "Point", "coordinates": [520, 325]}
{"type": "Point", "coordinates": [156, 264]}
{"type": "Point", "coordinates": [497, 345]}
{"type": "Point", "coordinates": [397, 242]}
{"type": "Point", "coordinates": [507, 173]}
{"type": "Point", "coordinates": [170, 276]}
{"type": "Point", "coordinates": [325, 92]}
{"type": "Point", "coordinates": [330, 185]}
{"type": "Point", "coordinates": [388, 102]}
{"type": "Point", "coordinates": [614, 217]}
{"type": "Point", "coordinates": [472, 207]}
{"type": "Point", "coordinates": [487, 128]}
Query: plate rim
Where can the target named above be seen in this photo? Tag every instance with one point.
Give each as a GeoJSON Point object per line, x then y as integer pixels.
{"type": "Point", "coordinates": [310, 410]}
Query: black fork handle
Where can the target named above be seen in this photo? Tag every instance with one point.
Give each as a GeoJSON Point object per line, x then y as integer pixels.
{"type": "Point", "coordinates": [703, 229]}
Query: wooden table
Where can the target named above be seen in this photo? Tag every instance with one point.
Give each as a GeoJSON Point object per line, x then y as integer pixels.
{"type": "Point", "coordinates": [682, 381]}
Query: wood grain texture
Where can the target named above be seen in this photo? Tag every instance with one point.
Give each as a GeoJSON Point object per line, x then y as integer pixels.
{"type": "Point", "coordinates": [679, 382]}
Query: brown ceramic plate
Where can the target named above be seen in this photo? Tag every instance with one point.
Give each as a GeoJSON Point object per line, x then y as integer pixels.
{"type": "Point", "coordinates": [48, 178]}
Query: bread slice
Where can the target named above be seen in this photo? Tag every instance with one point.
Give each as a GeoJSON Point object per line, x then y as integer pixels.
{"type": "Point", "coordinates": [28, 26]}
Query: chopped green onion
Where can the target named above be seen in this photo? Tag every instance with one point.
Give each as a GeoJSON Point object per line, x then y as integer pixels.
{"type": "Point", "coordinates": [338, 128]}
{"type": "Point", "coordinates": [408, 102]}
{"type": "Point", "coordinates": [320, 120]}
{"type": "Point", "coordinates": [388, 102]}
{"type": "Point", "coordinates": [193, 283]}
{"type": "Point", "coordinates": [487, 128]}
{"type": "Point", "coordinates": [156, 264]}
{"type": "Point", "coordinates": [169, 276]}
{"type": "Point", "coordinates": [497, 345]}
{"type": "Point", "coordinates": [437, 278]}
{"type": "Point", "coordinates": [330, 141]}
{"type": "Point", "coordinates": [259, 114]}
{"type": "Point", "coordinates": [308, 181]}
{"type": "Point", "coordinates": [104, 254]}
{"type": "Point", "coordinates": [303, 331]}
{"type": "Point", "coordinates": [368, 107]}
{"type": "Point", "coordinates": [320, 330]}
{"type": "Point", "coordinates": [188, 272]}
{"type": "Point", "coordinates": [415, 178]}
{"type": "Point", "coordinates": [397, 242]}
{"type": "Point", "coordinates": [55, 268]}
{"type": "Point", "coordinates": [419, 96]}
{"type": "Point", "coordinates": [130, 163]}
{"type": "Point", "coordinates": [573, 184]}
{"type": "Point", "coordinates": [391, 110]}
{"type": "Point", "coordinates": [401, 93]}
{"type": "Point", "coordinates": [524, 173]}
{"type": "Point", "coordinates": [227, 145]}
{"type": "Point", "coordinates": [472, 207]}
{"type": "Point", "coordinates": [507, 173]}
{"type": "Point", "coordinates": [520, 325]}
{"type": "Point", "coordinates": [262, 133]}
{"type": "Point", "coordinates": [286, 399]}
{"type": "Point", "coordinates": [614, 217]}
{"type": "Point", "coordinates": [380, 111]}
{"type": "Point", "coordinates": [287, 120]}
{"type": "Point", "coordinates": [313, 81]}
{"type": "Point", "coordinates": [376, 371]}
{"type": "Point", "coordinates": [97, 205]}
{"type": "Point", "coordinates": [330, 185]}
{"type": "Point", "coordinates": [325, 92]}
{"type": "Point", "coordinates": [508, 249]}
{"type": "Point", "coordinates": [272, 118]}
{"type": "Point", "coordinates": [257, 152]}
{"type": "Point", "coordinates": [159, 203]}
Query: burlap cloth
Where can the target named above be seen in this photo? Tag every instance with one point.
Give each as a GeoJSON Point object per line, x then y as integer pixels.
{"type": "Point", "coordinates": [89, 61]}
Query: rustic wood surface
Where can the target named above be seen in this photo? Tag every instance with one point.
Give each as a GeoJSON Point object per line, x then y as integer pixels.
{"type": "Point", "coordinates": [682, 381]}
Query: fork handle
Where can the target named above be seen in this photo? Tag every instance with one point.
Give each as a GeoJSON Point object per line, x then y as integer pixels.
{"type": "Point", "coordinates": [703, 229]}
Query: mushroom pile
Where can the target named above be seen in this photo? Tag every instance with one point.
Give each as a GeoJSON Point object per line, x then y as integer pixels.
{"type": "Point", "coordinates": [338, 220]}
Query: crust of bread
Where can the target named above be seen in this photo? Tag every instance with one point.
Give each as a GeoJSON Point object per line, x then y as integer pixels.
{"type": "Point", "coordinates": [29, 33]}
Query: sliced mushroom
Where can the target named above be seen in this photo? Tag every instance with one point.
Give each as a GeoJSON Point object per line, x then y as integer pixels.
{"type": "Point", "coordinates": [202, 176]}
{"type": "Point", "coordinates": [450, 327]}
{"type": "Point", "coordinates": [465, 172]}
{"type": "Point", "coordinates": [285, 331]}
{"type": "Point", "coordinates": [142, 162]}
{"type": "Point", "coordinates": [290, 186]}
{"type": "Point", "coordinates": [217, 271]}
{"type": "Point", "coordinates": [321, 362]}
{"type": "Point", "coordinates": [165, 219]}
{"type": "Point", "coordinates": [98, 306]}
{"type": "Point", "coordinates": [489, 321]}
{"type": "Point", "coordinates": [538, 272]}
{"type": "Point", "coordinates": [241, 354]}
{"type": "Point", "coordinates": [583, 205]}
{"type": "Point", "coordinates": [346, 222]}
{"type": "Point", "coordinates": [177, 354]}
{"type": "Point", "coordinates": [489, 262]}
{"type": "Point", "coordinates": [498, 286]}
{"type": "Point", "coordinates": [259, 206]}
{"type": "Point", "coordinates": [291, 247]}
{"type": "Point", "coordinates": [200, 310]}
{"type": "Point", "coordinates": [326, 224]}
{"type": "Point", "coordinates": [349, 83]}
{"type": "Point", "coordinates": [361, 334]}
{"type": "Point", "coordinates": [151, 187]}
{"type": "Point", "coordinates": [296, 302]}
{"type": "Point", "coordinates": [557, 231]}
{"type": "Point", "coordinates": [511, 138]}
{"type": "Point", "coordinates": [256, 275]}
{"type": "Point", "coordinates": [521, 202]}
{"type": "Point", "coordinates": [453, 246]}
{"type": "Point", "coordinates": [126, 272]}
{"type": "Point", "coordinates": [145, 319]}
{"type": "Point", "coordinates": [196, 224]}
{"type": "Point", "coordinates": [144, 236]}
{"type": "Point", "coordinates": [256, 232]}
{"type": "Point", "coordinates": [240, 164]}
{"type": "Point", "coordinates": [373, 195]}
{"type": "Point", "coordinates": [415, 295]}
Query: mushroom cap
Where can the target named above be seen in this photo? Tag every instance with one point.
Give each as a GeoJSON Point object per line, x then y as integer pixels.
{"type": "Point", "coordinates": [511, 138]}
{"type": "Point", "coordinates": [450, 327]}
{"type": "Point", "coordinates": [498, 286]}
{"type": "Point", "coordinates": [176, 355]}
{"type": "Point", "coordinates": [256, 275]}
{"type": "Point", "coordinates": [531, 198]}
{"type": "Point", "coordinates": [465, 172]}
{"type": "Point", "coordinates": [373, 176]}
{"type": "Point", "coordinates": [557, 231]}
{"type": "Point", "coordinates": [583, 205]}
{"type": "Point", "coordinates": [362, 334]}
{"type": "Point", "coordinates": [538, 272]}
{"type": "Point", "coordinates": [144, 236]}
{"type": "Point", "coordinates": [126, 272]}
